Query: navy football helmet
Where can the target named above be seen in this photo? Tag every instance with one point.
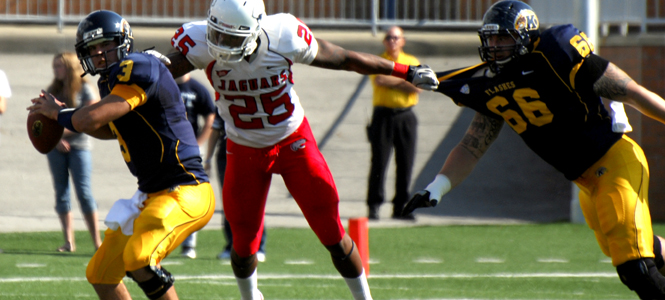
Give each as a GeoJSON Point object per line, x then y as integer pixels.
{"type": "Point", "coordinates": [100, 26]}
{"type": "Point", "coordinates": [513, 18]}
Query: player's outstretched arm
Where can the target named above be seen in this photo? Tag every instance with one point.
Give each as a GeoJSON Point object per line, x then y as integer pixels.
{"type": "Point", "coordinates": [482, 132]}
{"type": "Point", "coordinates": [179, 64]}
{"type": "Point", "coordinates": [615, 84]}
{"type": "Point", "coordinates": [331, 56]}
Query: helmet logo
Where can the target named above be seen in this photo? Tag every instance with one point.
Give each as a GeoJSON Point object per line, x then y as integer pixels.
{"type": "Point", "coordinates": [125, 28]}
{"type": "Point", "coordinates": [527, 20]}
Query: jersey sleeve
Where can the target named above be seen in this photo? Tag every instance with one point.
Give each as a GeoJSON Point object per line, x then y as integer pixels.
{"type": "Point", "coordinates": [132, 76]}
{"type": "Point", "coordinates": [295, 40]}
{"type": "Point", "coordinates": [567, 49]}
{"type": "Point", "coordinates": [190, 40]}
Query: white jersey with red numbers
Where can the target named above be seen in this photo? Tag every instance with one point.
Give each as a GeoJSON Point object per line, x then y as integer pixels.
{"type": "Point", "coordinates": [255, 97]}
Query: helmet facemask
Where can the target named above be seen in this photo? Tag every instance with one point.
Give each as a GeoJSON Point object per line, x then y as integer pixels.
{"type": "Point", "coordinates": [508, 18]}
{"type": "Point", "coordinates": [489, 53]}
{"type": "Point", "coordinates": [86, 59]}
{"type": "Point", "coordinates": [230, 46]}
{"type": "Point", "coordinates": [99, 27]}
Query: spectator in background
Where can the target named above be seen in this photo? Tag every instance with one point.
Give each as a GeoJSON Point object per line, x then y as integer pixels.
{"type": "Point", "coordinates": [218, 136]}
{"type": "Point", "coordinates": [199, 104]}
{"type": "Point", "coordinates": [394, 125]}
{"type": "Point", "coordinates": [5, 92]}
{"type": "Point", "coordinates": [72, 155]}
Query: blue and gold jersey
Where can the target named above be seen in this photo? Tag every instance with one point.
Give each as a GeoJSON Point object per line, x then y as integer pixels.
{"type": "Point", "coordinates": [156, 139]}
{"type": "Point", "coordinates": [541, 97]}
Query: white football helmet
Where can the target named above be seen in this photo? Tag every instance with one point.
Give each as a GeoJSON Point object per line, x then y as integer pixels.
{"type": "Point", "coordinates": [233, 27]}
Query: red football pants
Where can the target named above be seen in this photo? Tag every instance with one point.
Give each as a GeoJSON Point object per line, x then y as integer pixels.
{"type": "Point", "coordinates": [306, 175]}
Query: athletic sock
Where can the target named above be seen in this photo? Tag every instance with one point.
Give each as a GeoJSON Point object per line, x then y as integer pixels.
{"type": "Point", "coordinates": [359, 287]}
{"type": "Point", "coordinates": [249, 287]}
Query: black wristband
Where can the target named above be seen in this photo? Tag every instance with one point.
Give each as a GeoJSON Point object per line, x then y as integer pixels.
{"type": "Point", "coordinates": [65, 118]}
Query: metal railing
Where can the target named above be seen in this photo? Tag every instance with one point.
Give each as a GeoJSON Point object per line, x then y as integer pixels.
{"type": "Point", "coordinates": [316, 13]}
{"type": "Point", "coordinates": [421, 14]}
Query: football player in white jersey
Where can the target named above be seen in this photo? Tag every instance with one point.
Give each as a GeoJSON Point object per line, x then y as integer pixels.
{"type": "Point", "coordinates": [247, 57]}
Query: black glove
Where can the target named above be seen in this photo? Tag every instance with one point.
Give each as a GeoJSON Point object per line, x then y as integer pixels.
{"type": "Point", "coordinates": [422, 76]}
{"type": "Point", "coordinates": [420, 199]}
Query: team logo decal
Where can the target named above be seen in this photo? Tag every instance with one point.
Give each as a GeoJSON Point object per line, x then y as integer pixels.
{"type": "Point", "coordinates": [526, 19]}
{"type": "Point", "coordinates": [37, 128]}
{"type": "Point", "coordinates": [124, 27]}
{"type": "Point", "coordinates": [222, 73]}
{"type": "Point", "coordinates": [299, 144]}
{"type": "Point", "coordinates": [601, 171]}
{"type": "Point", "coordinates": [465, 89]}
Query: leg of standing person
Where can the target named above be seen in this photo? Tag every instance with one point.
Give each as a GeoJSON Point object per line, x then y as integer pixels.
{"type": "Point", "coordinates": [59, 166]}
{"type": "Point", "coordinates": [319, 202]}
{"type": "Point", "coordinates": [226, 227]}
{"type": "Point", "coordinates": [405, 139]}
{"type": "Point", "coordinates": [81, 169]}
{"type": "Point", "coordinates": [614, 198]}
{"type": "Point", "coordinates": [246, 185]}
{"type": "Point", "coordinates": [221, 169]}
{"type": "Point", "coordinates": [158, 230]}
{"type": "Point", "coordinates": [381, 142]}
{"type": "Point", "coordinates": [244, 195]}
{"type": "Point", "coordinates": [189, 246]}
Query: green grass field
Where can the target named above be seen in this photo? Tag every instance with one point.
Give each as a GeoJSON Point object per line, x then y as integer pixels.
{"type": "Point", "coordinates": [553, 261]}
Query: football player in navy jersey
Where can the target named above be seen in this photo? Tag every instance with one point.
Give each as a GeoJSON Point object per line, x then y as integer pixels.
{"type": "Point", "coordinates": [142, 109]}
{"type": "Point", "coordinates": [547, 87]}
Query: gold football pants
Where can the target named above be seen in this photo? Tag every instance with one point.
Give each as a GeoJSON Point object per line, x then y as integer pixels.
{"type": "Point", "coordinates": [167, 218]}
{"type": "Point", "coordinates": [614, 200]}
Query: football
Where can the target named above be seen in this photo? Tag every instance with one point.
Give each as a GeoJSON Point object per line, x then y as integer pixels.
{"type": "Point", "coordinates": [44, 133]}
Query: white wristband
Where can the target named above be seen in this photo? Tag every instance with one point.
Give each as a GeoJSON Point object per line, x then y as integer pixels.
{"type": "Point", "coordinates": [439, 187]}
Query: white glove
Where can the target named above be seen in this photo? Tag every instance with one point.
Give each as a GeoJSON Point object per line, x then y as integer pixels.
{"type": "Point", "coordinates": [430, 196]}
{"type": "Point", "coordinates": [165, 60]}
{"type": "Point", "coordinates": [422, 77]}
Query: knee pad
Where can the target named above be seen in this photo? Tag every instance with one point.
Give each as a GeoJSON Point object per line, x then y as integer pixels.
{"type": "Point", "coordinates": [158, 285]}
{"type": "Point", "coordinates": [657, 251]}
{"type": "Point", "coordinates": [642, 276]}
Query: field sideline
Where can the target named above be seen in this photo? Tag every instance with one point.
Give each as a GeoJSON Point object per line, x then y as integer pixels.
{"type": "Point", "coordinates": [553, 261]}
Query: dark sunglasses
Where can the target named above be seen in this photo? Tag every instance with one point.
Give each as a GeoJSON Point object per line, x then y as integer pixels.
{"type": "Point", "coordinates": [392, 38]}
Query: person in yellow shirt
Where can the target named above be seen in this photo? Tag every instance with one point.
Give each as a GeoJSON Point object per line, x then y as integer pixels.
{"type": "Point", "coordinates": [394, 125]}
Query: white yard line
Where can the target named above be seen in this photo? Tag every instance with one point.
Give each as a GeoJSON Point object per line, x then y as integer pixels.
{"type": "Point", "coordinates": [267, 276]}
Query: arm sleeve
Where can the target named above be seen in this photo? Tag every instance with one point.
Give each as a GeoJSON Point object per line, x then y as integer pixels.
{"type": "Point", "coordinates": [591, 70]}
